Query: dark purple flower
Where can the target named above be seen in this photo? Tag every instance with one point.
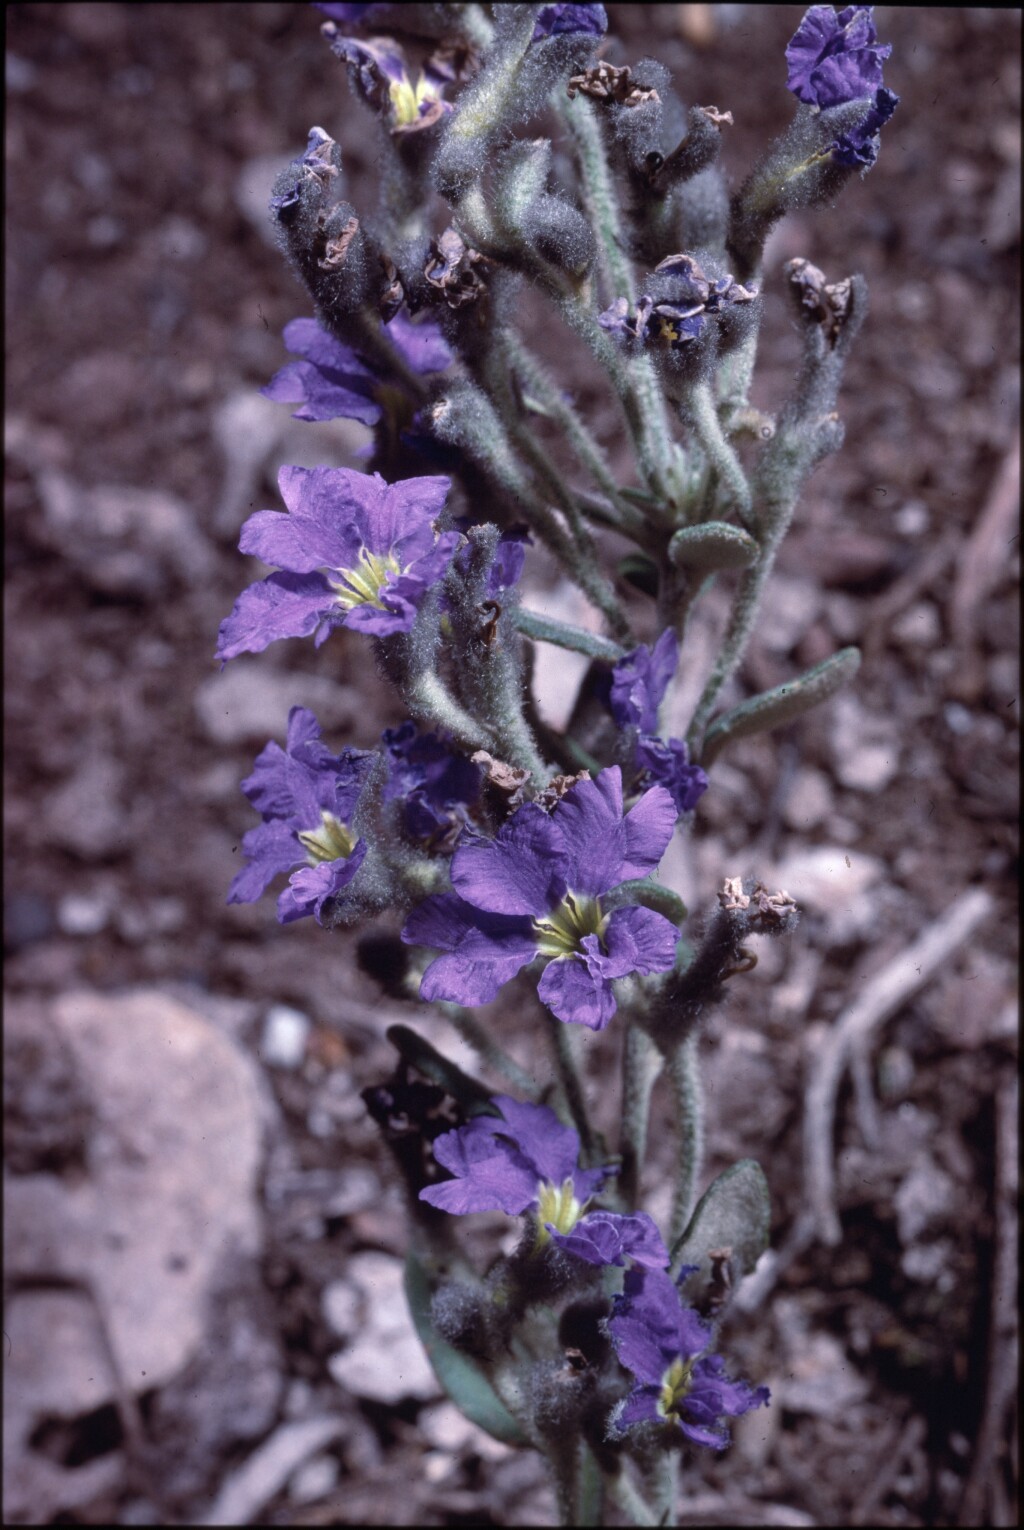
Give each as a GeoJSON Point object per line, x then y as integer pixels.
{"type": "Point", "coordinates": [554, 20]}
{"type": "Point", "coordinates": [639, 682]}
{"type": "Point", "coordinates": [535, 890]}
{"type": "Point", "coordinates": [307, 798]}
{"type": "Point", "coordinates": [379, 71]}
{"type": "Point", "coordinates": [334, 382]}
{"type": "Point", "coordinates": [676, 315]}
{"type": "Point", "coordinates": [526, 1160]}
{"type": "Point", "coordinates": [376, 542]}
{"type": "Point", "coordinates": [665, 1346]}
{"type": "Point", "coordinates": [437, 785]}
{"type": "Point", "coordinates": [834, 58]}
{"type": "Point", "coordinates": [668, 764]}
{"type": "Point", "coordinates": [858, 148]}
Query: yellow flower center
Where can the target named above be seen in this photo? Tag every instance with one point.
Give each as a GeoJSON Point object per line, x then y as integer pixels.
{"type": "Point", "coordinates": [361, 586]}
{"type": "Point", "coordinates": [406, 99]}
{"type": "Point", "coordinates": [558, 1205]}
{"type": "Point", "coordinates": [560, 932]}
{"type": "Point", "coordinates": [677, 1381]}
{"type": "Point", "coordinates": [331, 842]}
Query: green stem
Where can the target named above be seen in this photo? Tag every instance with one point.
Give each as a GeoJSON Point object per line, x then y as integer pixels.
{"type": "Point", "coordinates": [563, 1458]}
{"type": "Point", "coordinates": [544, 629]}
{"type": "Point", "coordinates": [666, 1487]}
{"type": "Point", "coordinates": [430, 702]}
{"type": "Point", "coordinates": [572, 1084]}
{"type": "Point", "coordinates": [733, 491]}
{"type": "Point", "coordinates": [641, 1064]}
{"type": "Point", "coordinates": [634, 1506]}
{"type": "Point", "coordinates": [471, 1031]}
{"type": "Point", "coordinates": [684, 1074]}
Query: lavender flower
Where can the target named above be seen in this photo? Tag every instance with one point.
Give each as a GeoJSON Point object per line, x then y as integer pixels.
{"type": "Point", "coordinates": [535, 890]}
{"type": "Point", "coordinates": [665, 1346]}
{"type": "Point", "coordinates": [635, 691]}
{"type": "Point", "coordinates": [333, 381]}
{"type": "Point", "coordinates": [675, 314]}
{"type": "Point", "coordinates": [376, 541]}
{"type": "Point", "coordinates": [307, 797]}
{"type": "Point", "coordinates": [554, 20]}
{"type": "Point", "coordinates": [834, 58]}
{"type": "Point", "coordinates": [528, 1161]}
{"type": "Point", "coordinates": [436, 785]}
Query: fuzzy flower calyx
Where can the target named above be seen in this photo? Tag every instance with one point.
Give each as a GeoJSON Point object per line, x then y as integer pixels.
{"type": "Point", "coordinates": [354, 551]}
{"type": "Point", "coordinates": [665, 1345]}
{"type": "Point", "coordinates": [307, 798]}
{"type": "Point", "coordinates": [527, 1160]}
{"type": "Point", "coordinates": [535, 890]}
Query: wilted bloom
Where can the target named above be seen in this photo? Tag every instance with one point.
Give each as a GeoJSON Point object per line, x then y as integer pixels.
{"type": "Point", "coordinates": [835, 57]}
{"type": "Point", "coordinates": [379, 71]}
{"type": "Point", "coordinates": [526, 1160]}
{"type": "Point", "coordinates": [307, 798]}
{"type": "Point", "coordinates": [535, 890]}
{"type": "Point", "coordinates": [555, 20]}
{"type": "Point", "coordinates": [858, 147]}
{"type": "Point", "coordinates": [321, 162]}
{"type": "Point", "coordinates": [333, 381]}
{"type": "Point", "coordinates": [375, 542]}
{"type": "Point", "coordinates": [436, 784]}
{"type": "Point", "coordinates": [636, 688]}
{"type": "Point", "coordinates": [675, 315]}
{"type": "Point", "coordinates": [665, 1346]}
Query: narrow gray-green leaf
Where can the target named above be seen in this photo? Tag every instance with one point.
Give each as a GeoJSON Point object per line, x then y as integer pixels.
{"type": "Point", "coordinates": [544, 629]}
{"type": "Point", "coordinates": [463, 1380]}
{"type": "Point", "coordinates": [714, 545]}
{"type": "Point", "coordinates": [733, 1213]}
{"type": "Point", "coordinates": [782, 704]}
{"type": "Point", "coordinates": [650, 895]}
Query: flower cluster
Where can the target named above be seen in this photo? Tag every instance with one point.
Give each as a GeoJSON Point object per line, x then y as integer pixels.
{"type": "Point", "coordinates": [525, 1159]}
{"type": "Point", "coordinates": [535, 890]}
{"type": "Point", "coordinates": [665, 1345]}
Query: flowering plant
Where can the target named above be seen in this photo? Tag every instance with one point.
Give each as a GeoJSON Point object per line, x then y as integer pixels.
{"type": "Point", "coordinates": [512, 851]}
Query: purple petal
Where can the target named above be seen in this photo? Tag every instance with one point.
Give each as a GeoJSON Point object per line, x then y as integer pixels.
{"type": "Point", "coordinates": [310, 888]}
{"type": "Point", "coordinates": [605, 1237]}
{"type": "Point", "coordinates": [487, 950]}
{"type": "Point", "coordinates": [282, 606]}
{"type": "Point", "coordinates": [323, 395]}
{"type": "Point", "coordinates": [520, 871]}
{"type": "Point", "coordinates": [640, 940]}
{"type": "Point", "coordinates": [589, 820]}
{"type": "Point", "coordinates": [639, 682]}
{"type": "Point", "coordinates": [555, 20]}
{"type": "Point", "coordinates": [667, 764]}
{"type": "Point", "coordinates": [649, 827]}
{"type": "Point", "coordinates": [640, 1407]}
{"type": "Point", "coordinates": [576, 990]}
{"type": "Point", "coordinates": [422, 344]}
{"type": "Point", "coordinates": [270, 849]}
{"type": "Point", "coordinates": [551, 1147]}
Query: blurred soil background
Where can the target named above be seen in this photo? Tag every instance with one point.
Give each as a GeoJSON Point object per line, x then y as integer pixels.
{"type": "Point", "coordinates": [203, 1315]}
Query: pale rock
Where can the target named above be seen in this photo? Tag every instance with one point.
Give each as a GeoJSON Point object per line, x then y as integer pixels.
{"type": "Point", "coordinates": [386, 1361]}
{"type": "Point", "coordinates": [865, 746]}
{"type": "Point", "coordinates": [284, 1036]}
{"type": "Point", "coordinates": [252, 1485]}
{"type": "Point", "coordinates": [809, 801]}
{"type": "Point", "coordinates": [342, 1305]}
{"type": "Point", "coordinates": [834, 883]}
{"type": "Point", "coordinates": [790, 606]}
{"type": "Point", "coordinates": [82, 914]}
{"type": "Point", "coordinates": [556, 671]}
{"type": "Point", "coordinates": [87, 814]}
{"type": "Point", "coordinates": [245, 702]}
{"type": "Point", "coordinates": [314, 1481]}
{"type": "Point", "coordinates": [122, 535]}
{"type": "Point", "coordinates": [444, 1427]}
{"type": "Point", "coordinates": [918, 627]}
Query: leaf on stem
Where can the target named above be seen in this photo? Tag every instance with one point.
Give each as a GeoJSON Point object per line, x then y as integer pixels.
{"type": "Point", "coordinates": [714, 545]}
{"type": "Point", "coordinates": [732, 1217]}
{"type": "Point", "coordinates": [782, 703]}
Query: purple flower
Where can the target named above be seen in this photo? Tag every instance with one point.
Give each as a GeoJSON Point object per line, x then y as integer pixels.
{"type": "Point", "coordinates": [334, 382]}
{"type": "Point", "coordinates": [307, 798]}
{"type": "Point", "coordinates": [858, 149]}
{"type": "Point", "coordinates": [668, 765]}
{"type": "Point", "coordinates": [535, 890]}
{"type": "Point", "coordinates": [437, 785]}
{"type": "Point", "coordinates": [676, 315]}
{"type": "Point", "coordinates": [379, 72]}
{"type": "Point", "coordinates": [528, 1161]}
{"type": "Point", "coordinates": [376, 541]}
{"type": "Point", "coordinates": [321, 162]}
{"type": "Point", "coordinates": [834, 58]}
{"type": "Point", "coordinates": [639, 682]}
{"type": "Point", "coordinates": [664, 1344]}
{"type": "Point", "coordinates": [554, 20]}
